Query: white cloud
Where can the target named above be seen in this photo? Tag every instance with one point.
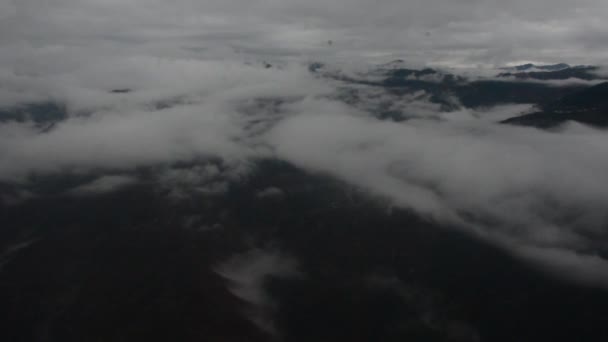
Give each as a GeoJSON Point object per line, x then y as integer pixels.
{"type": "Point", "coordinates": [184, 110]}
{"type": "Point", "coordinates": [190, 99]}
{"type": "Point", "coordinates": [512, 186]}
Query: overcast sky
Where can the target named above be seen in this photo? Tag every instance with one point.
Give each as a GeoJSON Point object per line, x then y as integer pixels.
{"type": "Point", "coordinates": [453, 32]}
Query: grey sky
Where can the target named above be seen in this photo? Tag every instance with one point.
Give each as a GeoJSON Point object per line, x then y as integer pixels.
{"type": "Point", "coordinates": [429, 31]}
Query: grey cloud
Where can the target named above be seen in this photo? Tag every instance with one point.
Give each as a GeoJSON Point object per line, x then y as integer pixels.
{"type": "Point", "coordinates": [541, 195]}
{"type": "Point", "coordinates": [590, 269]}
{"type": "Point", "coordinates": [270, 193]}
{"type": "Point", "coordinates": [104, 184]}
{"type": "Point", "coordinates": [508, 185]}
{"type": "Point", "coordinates": [211, 178]}
{"type": "Point", "coordinates": [519, 188]}
{"type": "Point", "coordinates": [248, 273]}
{"type": "Point", "coordinates": [199, 116]}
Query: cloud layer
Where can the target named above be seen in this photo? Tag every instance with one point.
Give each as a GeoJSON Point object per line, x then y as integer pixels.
{"type": "Point", "coordinates": [540, 194]}
{"type": "Point", "coordinates": [149, 83]}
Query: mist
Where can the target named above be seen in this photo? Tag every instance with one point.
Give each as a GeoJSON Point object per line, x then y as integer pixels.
{"type": "Point", "coordinates": [536, 193]}
{"type": "Point", "coordinates": [153, 84]}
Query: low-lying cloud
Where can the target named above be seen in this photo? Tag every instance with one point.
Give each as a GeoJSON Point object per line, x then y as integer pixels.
{"type": "Point", "coordinates": [248, 274]}
{"type": "Point", "coordinates": [104, 184]}
{"type": "Point", "coordinates": [193, 109]}
{"type": "Point", "coordinates": [541, 195]}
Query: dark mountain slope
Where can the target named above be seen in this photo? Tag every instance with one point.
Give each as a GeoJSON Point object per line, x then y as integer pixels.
{"type": "Point", "coordinates": [528, 66]}
{"type": "Point", "coordinates": [41, 113]}
{"type": "Point", "coordinates": [122, 267]}
{"type": "Point", "coordinates": [582, 72]}
{"type": "Point", "coordinates": [588, 106]}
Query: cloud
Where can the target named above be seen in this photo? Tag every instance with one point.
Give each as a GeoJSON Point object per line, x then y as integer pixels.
{"type": "Point", "coordinates": [587, 269]}
{"type": "Point", "coordinates": [115, 140]}
{"type": "Point", "coordinates": [521, 188]}
{"type": "Point", "coordinates": [272, 193]}
{"type": "Point", "coordinates": [248, 273]}
{"type": "Point", "coordinates": [182, 111]}
{"type": "Point", "coordinates": [104, 184]}
{"type": "Point", "coordinates": [199, 90]}
{"type": "Point", "coordinates": [555, 83]}
{"type": "Point", "coordinates": [211, 178]}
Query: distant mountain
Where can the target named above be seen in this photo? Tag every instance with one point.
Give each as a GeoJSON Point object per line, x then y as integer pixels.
{"type": "Point", "coordinates": [488, 93]}
{"type": "Point", "coordinates": [576, 102]}
{"type": "Point", "coordinates": [592, 98]}
{"type": "Point", "coordinates": [553, 67]}
{"type": "Point", "coordinates": [395, 64]}
{"type": "Point", "coordinates": [401, 73]}
{"type": "Point", "coordinates": [553, 72]}
{"type": "Point", "coordinates": [534, 67]}
{"type": "Point", "coordinates": [588, 106]}
{"type": "Point", "coordinates": [444, 87]}
{"type": "Point", "coordinates": [40, 113]}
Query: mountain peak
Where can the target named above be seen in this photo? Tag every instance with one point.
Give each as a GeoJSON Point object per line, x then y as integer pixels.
{"type": "Point", "coordinates": [528, 67]}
